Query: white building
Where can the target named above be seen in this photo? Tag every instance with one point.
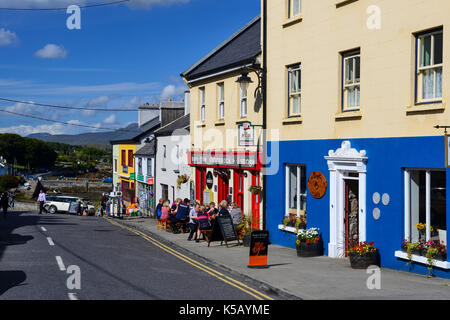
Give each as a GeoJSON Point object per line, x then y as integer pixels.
{"type": "Point", "coordinates": [173, 173]}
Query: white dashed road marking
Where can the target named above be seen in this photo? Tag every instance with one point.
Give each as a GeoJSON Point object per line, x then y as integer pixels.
{"type": "Point", "coordinates": [60, 263]}
{"type": "Point", "coordinates": [50, 241]}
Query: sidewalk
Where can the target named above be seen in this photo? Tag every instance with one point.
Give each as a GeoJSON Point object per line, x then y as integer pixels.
{"type": "Point", "coordinates": [304, 278]}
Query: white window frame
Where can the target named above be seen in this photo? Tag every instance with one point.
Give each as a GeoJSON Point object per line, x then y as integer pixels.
{"type": "Point", "coordinates": [150, 167]}
{"type": "Point", "coordinates": [202, 104]}
{"type": "Point", "coordinates": [298, 186]}
{"type": "Point", "coordinates": [139, 166]}
{"type": "Point", "coordinates": [292, 92]}
{"type": "Point", "coordinates": [163, 166]}
{"type": "Point", "coordinates": [291, 8]}
{"type": "Point", "coordinates": [421, 69]}
{"type": "Point", "coordinates": [221, 100]}
{"type": "Point", "coordinates": [243, 88]}
{"type": "Point", "coordinates": [407, 199]}
{"type": "Point", "coordinates": [353, 83]}
{"type": "Point", "coordinates": [177, 164]}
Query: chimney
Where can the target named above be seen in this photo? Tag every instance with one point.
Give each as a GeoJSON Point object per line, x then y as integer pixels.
{"type": "Point", "coordinates": [147, 112]}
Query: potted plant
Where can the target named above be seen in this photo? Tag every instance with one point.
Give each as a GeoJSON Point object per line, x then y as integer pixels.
{"type": "Point", "coordinates": [181, 180]}
{"type": "Point", "coordinates": [440, 252]}
{"type": "Point", "coordinates": [309, 243]}
{"type": "Point", "coordinates": [255, 190]}
{"type": "Point", "coordinates": [404, 245]}
{"type": "Point", "coordinates": [363, 255]}
{"type": "Point", "coordinates": [245, 230]}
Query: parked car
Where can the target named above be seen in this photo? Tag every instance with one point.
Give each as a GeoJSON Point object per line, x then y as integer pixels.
{"type": "Point", "coordinates": [60, 203]}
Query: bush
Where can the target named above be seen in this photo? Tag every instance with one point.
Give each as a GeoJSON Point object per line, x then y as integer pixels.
{"type": "Point", "coordinates": [8, 182]}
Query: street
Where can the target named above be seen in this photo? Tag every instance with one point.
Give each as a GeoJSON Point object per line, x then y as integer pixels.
{"type": "Point", "coordinates": [40, 257]}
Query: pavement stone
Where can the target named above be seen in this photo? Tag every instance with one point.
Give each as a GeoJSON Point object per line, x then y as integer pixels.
{"type": "Point", "coordinates": [314, 278]}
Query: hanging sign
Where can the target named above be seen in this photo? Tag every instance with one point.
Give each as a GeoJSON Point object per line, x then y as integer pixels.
{"type": "Point", "coordinates": [246, 134]}
{"type": "Point", "coordinates": [259, 243]}
{"type": "Point", "coordinates": [317, 184]}
{"type": "Point", "coordinates": [209, 180]}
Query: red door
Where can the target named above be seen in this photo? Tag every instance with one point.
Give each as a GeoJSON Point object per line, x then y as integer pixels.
{"type": "Point", "coordinates": [256, 200]}
{"type": "Point", "coordinates": [239, 188]}
{"type": "Point", "coordinates": [200, 183]}
{"type": "Point", "coordinates": [222, 189]}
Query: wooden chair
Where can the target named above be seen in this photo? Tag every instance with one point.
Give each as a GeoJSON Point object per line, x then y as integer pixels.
{"type": "Point", "coordinates": [181, 226]}
{"type": "Point", "coordinates": [206, 234]}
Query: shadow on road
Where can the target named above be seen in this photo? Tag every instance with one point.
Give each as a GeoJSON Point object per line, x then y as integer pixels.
{"type": "Point", "coordinates": [11, 279]}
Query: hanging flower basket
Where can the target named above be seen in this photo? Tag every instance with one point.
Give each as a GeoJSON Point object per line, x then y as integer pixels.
{"type": "Point", "coordinates": [255, 190]}
{"type": "Point", "coordinates": [182, 180]}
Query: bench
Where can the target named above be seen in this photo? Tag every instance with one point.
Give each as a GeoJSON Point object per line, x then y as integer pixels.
{"type": "Point", "coordinates": [182, 225]}
{"type": "Point", "coordinates": [162, 224]}
{"type": "Point", "coordinates": [206, 234]}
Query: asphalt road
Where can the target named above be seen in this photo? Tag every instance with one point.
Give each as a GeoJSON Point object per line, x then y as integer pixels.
{"type": "Point", "coordinates": [40, 257]}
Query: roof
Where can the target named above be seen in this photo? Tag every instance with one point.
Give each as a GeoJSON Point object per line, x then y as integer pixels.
{"type": "Point", "coordinates": [147, 150]}
{"type": "Point", "coordinates": [180, 123]}
{"type": "Point", "coordinates": [135, 135]}
{"type": "Point", "coordinates": [240, 49]}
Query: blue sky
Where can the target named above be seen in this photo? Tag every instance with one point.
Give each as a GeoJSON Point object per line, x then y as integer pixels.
{"type": "Point", "coordinates": [124, 55]}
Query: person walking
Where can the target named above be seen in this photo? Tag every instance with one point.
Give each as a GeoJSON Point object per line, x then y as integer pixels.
{"type": "Point", "coordinates": [103, 204]}
{"type": "Point", "coordinates": [4, 201]}
{"type": "Point", "coordinates": [41, 200]}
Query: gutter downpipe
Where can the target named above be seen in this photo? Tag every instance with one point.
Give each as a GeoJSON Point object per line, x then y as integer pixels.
{"type": "Point", "coordinates": [264, 85]}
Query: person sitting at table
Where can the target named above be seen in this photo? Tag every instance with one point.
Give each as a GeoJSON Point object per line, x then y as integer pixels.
{"type": "Point", "coordinates": [236, 214]}
{"type": "Point", "coordinates": [182, 215]}
{"type": "Point", "coordinates": [223, 209]}
{"type": "Point", "coordinates": [204, 221]}
{"type": "Point", "coordinates": [165, 209]}
{"type": "Point", "coordinates": [212, 210]}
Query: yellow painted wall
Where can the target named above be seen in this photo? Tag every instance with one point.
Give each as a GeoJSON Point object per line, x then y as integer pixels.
{"type": "Point", "coordinates": [387, 68]}
{"type": "Point", "coordinates": [126, 147]}
{"type": "Point", "coordinates": [215, 134]}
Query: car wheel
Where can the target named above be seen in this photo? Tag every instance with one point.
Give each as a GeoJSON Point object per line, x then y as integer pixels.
{"type": "Point", "coordinates": [52, 209]}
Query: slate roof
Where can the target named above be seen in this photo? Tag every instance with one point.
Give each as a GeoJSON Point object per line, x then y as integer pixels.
{"type": "Point", "coordinates": [181, 123]}
{"type": "Point", "coordinates": [147, 150]}
{"type": "Point", "coordinates": [135, 135]}
{"type": "Point", "coordinates": [240, 49]}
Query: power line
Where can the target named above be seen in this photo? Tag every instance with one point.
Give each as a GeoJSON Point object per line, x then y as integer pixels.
{"type": "Point", "coordinates": [59, 9]}
{"type": "Point", "coordinates": [67, 123]}
{"type": "Point", "coordinates": [67, 107]}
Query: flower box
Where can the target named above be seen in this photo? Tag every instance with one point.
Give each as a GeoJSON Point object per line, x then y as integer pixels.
{"type": "Point", "coordinates": [310, 249]}
{"type": "Point", "coordinates": [363, 261]}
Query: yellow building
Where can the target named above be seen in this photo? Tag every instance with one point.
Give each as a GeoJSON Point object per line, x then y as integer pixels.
{"type": "Point", "coordinates": [354, 90]}
{"type": "Point", "coordinates": [127, 171]}
{"type": "Point", "coordinates": [226, 119]}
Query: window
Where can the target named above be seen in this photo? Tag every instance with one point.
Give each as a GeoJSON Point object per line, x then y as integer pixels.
{"type": "Point", "coordinates": [177, 164]}
{"type": "Point", "coordinates": [163, 166]}
{"type": "Point", "coordinates": [429, 66]}
{"type": "Point", "coordinates": [115, 165]}
{"type": "Point", "coordinates": [294, 91]}
{"type": "Point", "coordinates": [130, 158]}
{"type": "Point", "coordinates": [140, 166]}
{"type": "Point", "coordinates": [149, 167]}
{"type": "Point", "coordinates": [295, 190]}
{"type": "Point", "coordinates": [351, 87]}
{"type": "Point", "coordinates": [202, 104]}
{"type": "Point", "coordinates": [243, 99]}
{"type": "Point", "coordinates": [425, 203]}
{"type": "Point", "coordinates": [294, 8]}
{"type": "Point", "coordinates": [221, 100]}
{"type": "Point", "coordinates": [124, 158]}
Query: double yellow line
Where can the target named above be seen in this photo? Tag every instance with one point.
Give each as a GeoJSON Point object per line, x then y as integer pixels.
{"type": "Point", "coordinates": [232, 282]}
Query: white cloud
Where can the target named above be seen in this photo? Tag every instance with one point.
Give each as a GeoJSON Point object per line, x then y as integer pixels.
{"type": "Point", "coordinates": [110, 120]}
{"type": "Point", "coordinates": [7, 38]}
{"type": "Point", "coordinates": [173, 92]}
{"type": "Point", "coordinates": [51, 51]}
{"type": "Point", "coordinates": [57, 128]}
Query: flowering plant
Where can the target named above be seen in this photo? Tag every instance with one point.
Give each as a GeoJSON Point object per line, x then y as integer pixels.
{"type": "Point", "coordinates": [439, 246]}
{"type": "Point", "coordinates": [310, 236]}
{"type": "Point", "coordinates": [255, 190]}
{"type": "Point", "coordinates": [363, 248]}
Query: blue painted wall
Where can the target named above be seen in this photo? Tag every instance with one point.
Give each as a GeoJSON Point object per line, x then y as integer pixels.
{"type": "Point", "coordinates": [386, 159]}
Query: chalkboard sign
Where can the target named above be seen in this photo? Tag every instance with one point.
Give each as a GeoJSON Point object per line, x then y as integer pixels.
{"type": "Point", "coordinates": [227, 228]}
{"type": "Point", "coordinates": [73, 208]}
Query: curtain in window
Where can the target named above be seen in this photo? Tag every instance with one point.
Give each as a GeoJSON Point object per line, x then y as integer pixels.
{"type": "Point", "coordinates": [428, 84]}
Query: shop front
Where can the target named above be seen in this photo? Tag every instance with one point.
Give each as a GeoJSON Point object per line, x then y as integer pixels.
{"type": "Point", "coordinates": [145, 194]}
{"type": "Point", "coordinates": [233, 176]}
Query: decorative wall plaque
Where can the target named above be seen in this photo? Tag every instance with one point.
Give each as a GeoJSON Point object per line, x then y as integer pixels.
{"type": "Point", "coordinates": [317, 184]}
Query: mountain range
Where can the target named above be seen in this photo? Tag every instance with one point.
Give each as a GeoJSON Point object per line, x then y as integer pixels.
{"type": "Point", "coordinates": [85, 139]}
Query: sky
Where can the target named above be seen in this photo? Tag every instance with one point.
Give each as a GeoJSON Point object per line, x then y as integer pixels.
{"type": "Point", "coordinates": [124, 55]}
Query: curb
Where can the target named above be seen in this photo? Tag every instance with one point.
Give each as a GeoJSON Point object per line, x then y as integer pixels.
{"type": "Point", "coordinates": [269, 289]}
